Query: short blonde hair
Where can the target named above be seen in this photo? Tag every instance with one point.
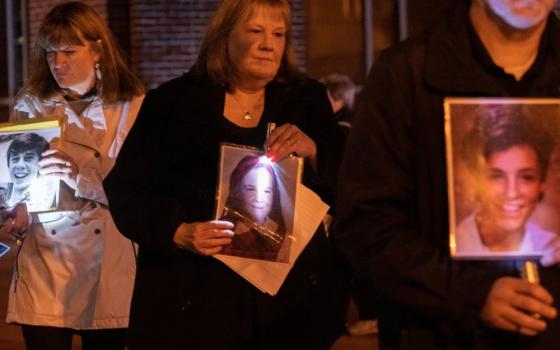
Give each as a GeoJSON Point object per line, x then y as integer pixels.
{"type": "Point", "coordinates": [213, 58]}
{"type": "Point", "coordinates": [75, 23]}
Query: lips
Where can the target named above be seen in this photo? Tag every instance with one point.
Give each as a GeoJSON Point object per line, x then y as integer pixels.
{"type": "Point", "coordinates": [511, 208]}
{"type": "Point", "coordinates": [20, 173]}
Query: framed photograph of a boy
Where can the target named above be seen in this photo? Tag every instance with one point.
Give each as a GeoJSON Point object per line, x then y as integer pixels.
{"type": "Point", "coordinates": [503, 165]}
{"type": "Point", "coordinates": [21, 146]}
{"type": "Point", "coordinates": [258, 197]}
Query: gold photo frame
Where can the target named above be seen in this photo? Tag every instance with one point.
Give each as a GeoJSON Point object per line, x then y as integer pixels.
{"type": "Point", "coordinates": [21, 145]}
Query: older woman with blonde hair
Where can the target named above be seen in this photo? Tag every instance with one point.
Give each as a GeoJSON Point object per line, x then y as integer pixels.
{"type": "Point", "coordinates": [74, 272]}
{"type": "Point", "coordinates": [244, 77]}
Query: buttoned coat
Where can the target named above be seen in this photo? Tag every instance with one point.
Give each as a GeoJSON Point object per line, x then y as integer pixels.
{"type": "Point", "coordinates": [74, 269]}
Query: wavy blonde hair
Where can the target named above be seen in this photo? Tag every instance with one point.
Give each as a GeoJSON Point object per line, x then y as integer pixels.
{"type": "Point", "coordinates": [75, 23]}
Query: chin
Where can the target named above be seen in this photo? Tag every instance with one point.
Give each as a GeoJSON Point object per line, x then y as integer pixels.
{"type": "Point", "coordinates": [524, 23]}
{"type": "Point", "coordinates": [511, 226]}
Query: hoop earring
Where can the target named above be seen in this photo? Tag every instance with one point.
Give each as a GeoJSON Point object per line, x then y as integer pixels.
{"type": "Point", "coordinates": [97, 71]}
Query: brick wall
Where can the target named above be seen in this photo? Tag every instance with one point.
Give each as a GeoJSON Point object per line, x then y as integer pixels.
{"type": "Point", "coordinates": [38, 9]}
{"type": "Point", "coordinates": [162, 37]}
{"type": "Point", "coordinates": [166, 35]}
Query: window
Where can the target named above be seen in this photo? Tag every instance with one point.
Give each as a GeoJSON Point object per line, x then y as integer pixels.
{"type": "Point", "coordinates": [13, 53]}
{"type": "Point", "coordinates": [344, 36]}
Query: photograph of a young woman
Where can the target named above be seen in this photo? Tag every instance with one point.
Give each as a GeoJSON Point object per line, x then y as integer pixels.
{"type": "Point", "coordinates": [508, 151]}
{"type": "Point", "coordinates": [254, 206]}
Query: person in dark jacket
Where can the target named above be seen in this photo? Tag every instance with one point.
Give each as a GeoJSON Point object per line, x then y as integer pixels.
{"type": "Point", "coordinates": [392, 222]}
{"type": "Point", "coordinates": [162, 192]}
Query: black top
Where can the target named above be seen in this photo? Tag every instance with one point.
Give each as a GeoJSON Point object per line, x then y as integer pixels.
{"type": "Point", "coordinates": [166, 174]}
{"type": "Point", "coordinates": [254, 137]}
{"type": "Point", "coordinates": [392, 222]}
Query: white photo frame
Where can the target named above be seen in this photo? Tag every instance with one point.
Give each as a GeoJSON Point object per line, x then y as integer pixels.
{"type": "Point", "coordinates": [258, 196]}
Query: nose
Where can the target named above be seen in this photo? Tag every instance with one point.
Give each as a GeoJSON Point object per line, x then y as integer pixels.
{"type": "Point", "coordinates": [512, 188]}
{"type": "Point", "coordinates": [266, 42]}
{"type": "Point", "coordinates": [259, 196]}
{"type": "Point", "coordinates": [58, 59]}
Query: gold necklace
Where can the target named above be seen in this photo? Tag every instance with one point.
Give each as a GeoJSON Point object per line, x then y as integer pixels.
{"type": "Point", "coordinates": [247, 115]}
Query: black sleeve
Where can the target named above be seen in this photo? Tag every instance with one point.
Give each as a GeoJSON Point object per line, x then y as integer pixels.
{"type": "Point", "coordinates": [141, 208]}
{"type": "Point", "coordinates": [321, 126]}
{"type": "Point", "coordinates": [375, 224]}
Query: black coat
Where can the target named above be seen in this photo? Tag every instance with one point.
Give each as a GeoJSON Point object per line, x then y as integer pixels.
{"type": "Point", "coordinates": [392, 218]}
{"type": "Point", "coordinates": [166, 174]}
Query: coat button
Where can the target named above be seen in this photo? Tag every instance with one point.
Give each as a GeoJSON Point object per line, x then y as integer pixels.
{"type": "Point", "coordinates": [53, 232]}
{"type": "Point", "coordinates": [314, 279]}
{"type": "Point", "coordinates": [97, 231]}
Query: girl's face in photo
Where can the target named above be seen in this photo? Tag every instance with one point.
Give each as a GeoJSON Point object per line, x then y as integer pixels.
{"type": "Point", "coordinates": [257, 193]}
{"type": "Point", "coordinates": [511, 189]}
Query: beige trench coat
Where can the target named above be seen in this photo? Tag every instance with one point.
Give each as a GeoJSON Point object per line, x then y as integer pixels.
{"type": "Point", "coordinates": [74, 268]}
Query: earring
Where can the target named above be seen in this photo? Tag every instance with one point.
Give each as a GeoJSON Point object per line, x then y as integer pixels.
{"type": "Point", "coordinates": [97, 71]}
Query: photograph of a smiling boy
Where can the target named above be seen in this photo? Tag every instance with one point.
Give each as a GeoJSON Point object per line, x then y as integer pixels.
{"type": "Point", "coordinates": [258, 198]}
{"type": "Point", "coordinates": [502, 156]}
{"type": "Point", "coordinates": [20, 154]}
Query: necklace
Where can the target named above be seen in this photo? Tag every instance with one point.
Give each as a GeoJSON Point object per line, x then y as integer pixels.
{"type": "Point", "coordinates": [248, 114]}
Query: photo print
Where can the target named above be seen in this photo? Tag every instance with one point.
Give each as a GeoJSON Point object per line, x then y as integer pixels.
{"type": "Point", "coordinates": [21, 146]}
{"type": "Point", "coordinates": [503, 165]}
{"type": "Point", "coordinates": [258, 197]}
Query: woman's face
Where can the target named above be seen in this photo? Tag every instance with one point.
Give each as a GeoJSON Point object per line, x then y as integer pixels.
{"type": "Point", "coordinates": [256, 46]}
{"type": "Point", "coordinates": [72, 66]}
{"type": "Point", "coordinates": [512, 188]}
{"type": "Point", "coordinates": [521, 14]}
{"type": "Point", "coordinates": [257, 193]}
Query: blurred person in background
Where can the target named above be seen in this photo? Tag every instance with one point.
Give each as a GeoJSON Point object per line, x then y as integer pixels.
{"type": "Point", "coordinates": [342, 92]}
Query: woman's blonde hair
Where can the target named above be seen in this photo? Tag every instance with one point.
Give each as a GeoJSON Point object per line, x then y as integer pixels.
{"type": "Point", "coordinates": [213, 58]}
{"type": "Point", "coordinates": [75, 23]}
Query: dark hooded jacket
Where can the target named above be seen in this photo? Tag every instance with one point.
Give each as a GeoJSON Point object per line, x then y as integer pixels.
{"type": "Point", "coordinates": [392, 220]}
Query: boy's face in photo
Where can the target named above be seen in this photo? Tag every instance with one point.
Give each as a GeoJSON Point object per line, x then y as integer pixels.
{"type": "Point", "coordinates": [23, 168]}
{"type": "Point", "coordinates": [513, 187]}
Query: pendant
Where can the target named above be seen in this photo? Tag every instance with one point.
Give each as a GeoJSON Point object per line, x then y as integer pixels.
{"type": "Point", "coordinates": [247, 116]}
